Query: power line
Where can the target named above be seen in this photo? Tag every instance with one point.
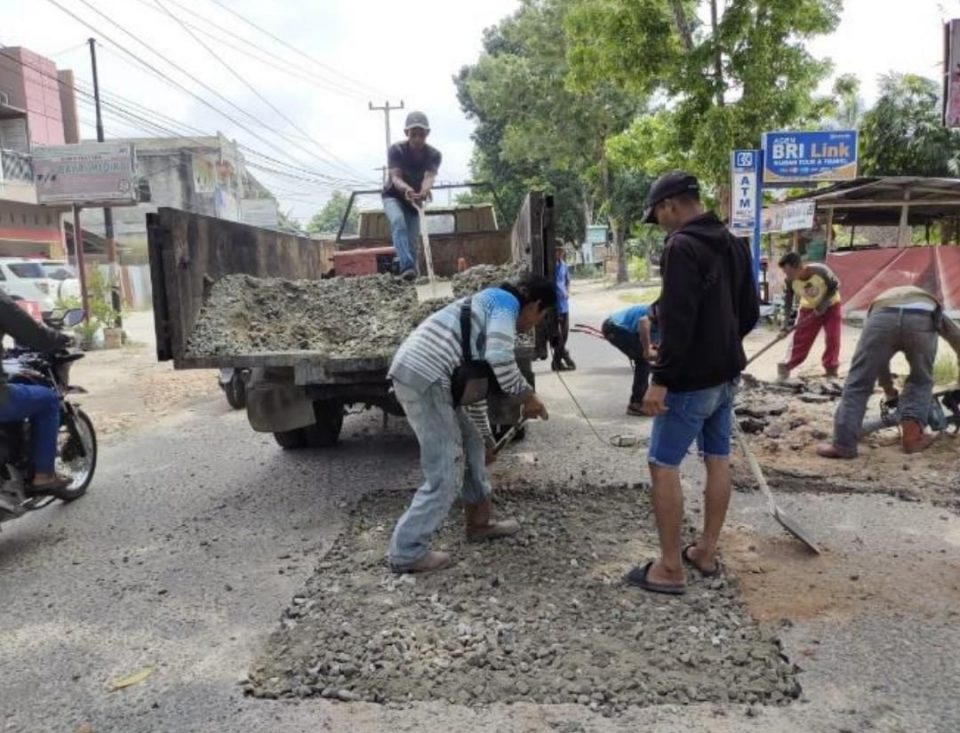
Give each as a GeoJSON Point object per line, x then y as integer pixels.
{"type": "Point", "coordinates": [308, 57]}
{"type": "Point", "coordinates": [288, 66]}
{"type": "Point", "coordinates": [154, 70]}
{"type": "Point", "coordinates": [341, 163]}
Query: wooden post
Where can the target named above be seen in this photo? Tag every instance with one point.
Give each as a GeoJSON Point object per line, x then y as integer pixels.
{"type": "Point", "coordinates": [81, 266]}
{"type": "Point", "coordinates": [903, 231]}
{"type": "Point", "coordinates": [829, 229]}
{"type": "Point", "coordinates": [853, 232]}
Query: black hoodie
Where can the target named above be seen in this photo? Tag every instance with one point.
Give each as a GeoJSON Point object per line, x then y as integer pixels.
{"type": "Point", "coordinates": [709, 303]}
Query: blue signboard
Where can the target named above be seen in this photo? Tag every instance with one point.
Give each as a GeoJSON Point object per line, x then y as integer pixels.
{"type": "Point", "coordinates": [797, 157]}
{"type": "Point", "coordinates": [746, 203]}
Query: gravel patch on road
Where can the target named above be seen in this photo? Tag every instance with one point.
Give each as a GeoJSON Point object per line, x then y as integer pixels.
{"type": "Point", "coordinates": [542, 617]}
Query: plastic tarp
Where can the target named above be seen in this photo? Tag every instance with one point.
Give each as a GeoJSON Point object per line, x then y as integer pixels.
{"type": "Point", "coordinates": [867, 273]}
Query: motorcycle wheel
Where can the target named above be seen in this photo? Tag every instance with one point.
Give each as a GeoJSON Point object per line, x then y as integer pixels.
{"type": "Point", "coordinates": [69, 461]}
{"type": "Point", "coordinates": [236, 392]}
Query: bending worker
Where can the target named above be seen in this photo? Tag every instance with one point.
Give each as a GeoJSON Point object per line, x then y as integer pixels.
{"type": "Point", "coordinates": [633, 331]}
{"type": "Point", "coordinates": [424, 373]}
{"type": "Point", "coordinates": [819, 292]}
{"type": "Point", "coordinates": [907, 319]}
{"type": "Point", "coordinates": [413, 169]}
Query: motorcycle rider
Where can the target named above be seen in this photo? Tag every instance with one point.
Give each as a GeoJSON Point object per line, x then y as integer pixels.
{"type": "Point", "coordinates": [36, 403]}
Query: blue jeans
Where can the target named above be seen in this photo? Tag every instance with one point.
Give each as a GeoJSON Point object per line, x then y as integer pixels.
{"type": "Point", "coordinates": [446, 437]}
{"type": "Point", "coordinates": [41, 406]}
{"type": "Point", "coordinates": [404, 231]}
{"type": "Point", "coordinates": [704, 415]}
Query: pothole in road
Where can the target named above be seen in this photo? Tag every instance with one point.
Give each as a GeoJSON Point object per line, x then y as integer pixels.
{"type": "Point", "coordinates": [541, 617]}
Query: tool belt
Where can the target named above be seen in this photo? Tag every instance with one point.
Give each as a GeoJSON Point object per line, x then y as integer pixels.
{"type": "Point", "coordinates": [474, 380]}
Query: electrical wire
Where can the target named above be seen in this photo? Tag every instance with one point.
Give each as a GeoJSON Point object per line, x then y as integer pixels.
{"type": "Point", "coordinates": [154, 70]}
{"type": "Point", "coordinates": [343, 165]}
{"type": "Point", "coordinates": [297, 51]}
{"type": "Point", "coordinates": [270, 59]}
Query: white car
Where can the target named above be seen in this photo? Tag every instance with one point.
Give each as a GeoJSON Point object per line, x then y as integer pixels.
{"type": "Point", "coordinates": [64, 277]}
{"type": "Point", "coordinates": [28, 280]}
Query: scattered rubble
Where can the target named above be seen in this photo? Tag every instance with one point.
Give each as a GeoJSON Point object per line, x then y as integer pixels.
{"type": "Point", "coordinates": [784, 423]}
{"type": "Point", "coordinates": [483, 276]}
{"type": "Point", "coordinates": [541, 617]}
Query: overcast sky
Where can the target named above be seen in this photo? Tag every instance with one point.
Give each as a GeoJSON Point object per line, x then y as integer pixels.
{"type": "Point", "coordinates": [368, 50]}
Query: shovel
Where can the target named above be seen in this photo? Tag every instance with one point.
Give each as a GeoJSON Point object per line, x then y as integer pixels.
{"type": "Point", "coordinates": [787, 522]}
{"type": "Point", "coordinates": [433, 289]}
{"type": "Point", "coordinates": [508, 436]}
{"type": "Point", "coordinates": [780, 337]}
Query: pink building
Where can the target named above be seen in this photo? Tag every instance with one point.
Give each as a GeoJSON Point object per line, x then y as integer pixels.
{"type": "Point", "coordinates": [31, 83]}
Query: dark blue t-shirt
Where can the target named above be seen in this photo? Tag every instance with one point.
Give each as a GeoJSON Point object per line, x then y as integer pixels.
{"type": "Point", "coordinates": [414, 166]}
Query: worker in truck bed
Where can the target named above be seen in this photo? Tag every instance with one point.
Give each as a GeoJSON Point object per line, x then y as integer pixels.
{"type": "Point", "coordinates": [426, 372]}
{"type": "Point", "coordinates": [818, 290]}
{"type": "Point", "coordinates": [413, 167]}
{"type": "Point", "coordinates": [907, 319]}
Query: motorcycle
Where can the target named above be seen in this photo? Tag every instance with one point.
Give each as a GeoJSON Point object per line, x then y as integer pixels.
{"type": "Point", "coordinates": [76, 442]}
{"type": "Point", "coordinates": [233, 382]}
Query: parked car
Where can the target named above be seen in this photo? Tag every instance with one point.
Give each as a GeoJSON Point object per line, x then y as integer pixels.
{"type": "Point", "coordinates": [28, 280]}
{"type": "Point", "coordinates": [65, 277]}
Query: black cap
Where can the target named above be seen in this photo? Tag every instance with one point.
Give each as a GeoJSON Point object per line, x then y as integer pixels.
{"type": "Point", "coordinates": [666, 186]}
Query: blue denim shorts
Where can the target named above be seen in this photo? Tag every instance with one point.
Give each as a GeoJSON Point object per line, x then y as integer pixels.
{"type": "Point", "coordinates": [704, 415]}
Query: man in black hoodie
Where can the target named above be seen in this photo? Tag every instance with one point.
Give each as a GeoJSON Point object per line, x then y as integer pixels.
{"type": "Point", "coordinates": [708, 304]}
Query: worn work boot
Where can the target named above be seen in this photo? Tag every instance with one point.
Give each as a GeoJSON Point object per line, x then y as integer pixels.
{"type": "Point", "coordinates": [832, 372]}
{"type": "Point", "coordinates": [481, 526]}
{"type": "Point", "coordinates": [912, 438]}
{"type": "Point", "coordinates": [571, 365]}
{"type": "Point", "coordinates": [427, 564]}
{"type": "Point", "coordinates": [832, 450]}
{"type": "Point", "coordinates": [783, 373]}
{"type": "Point", "coordinates": [635, 409]}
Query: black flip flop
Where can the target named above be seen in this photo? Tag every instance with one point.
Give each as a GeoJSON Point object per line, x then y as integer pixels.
{"type": "Point", "coordinates": [638, 577]}
{"type": "Point", "coordinates": [689, 560]}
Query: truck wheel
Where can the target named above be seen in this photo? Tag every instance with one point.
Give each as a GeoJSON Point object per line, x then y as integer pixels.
{"type": "Point", "coordinates": [325, 433]}
{"type": "Point", "coordinates": [236, 392]}
{"type": "Point", "coordinates": [291, 439]}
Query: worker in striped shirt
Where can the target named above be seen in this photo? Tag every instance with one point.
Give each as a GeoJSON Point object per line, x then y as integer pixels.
{"type": "Point", "coordinates": [454, 451]}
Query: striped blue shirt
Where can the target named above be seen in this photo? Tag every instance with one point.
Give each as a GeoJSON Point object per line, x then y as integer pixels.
{"type": "Point", "coordinates": [432, 352]}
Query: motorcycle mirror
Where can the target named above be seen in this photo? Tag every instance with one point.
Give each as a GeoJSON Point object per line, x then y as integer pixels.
{"type": "Point", "coordinates": [73, 317]}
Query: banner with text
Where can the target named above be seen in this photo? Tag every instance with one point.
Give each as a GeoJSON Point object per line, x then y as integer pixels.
{"type": "Point", "coordinates": [797, 157]}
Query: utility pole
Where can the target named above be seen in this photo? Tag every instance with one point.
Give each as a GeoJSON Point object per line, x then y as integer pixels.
{"type": "Point", "coordinates": [387, 108]}
{"type": "Point", "coordinates": [111, 244]}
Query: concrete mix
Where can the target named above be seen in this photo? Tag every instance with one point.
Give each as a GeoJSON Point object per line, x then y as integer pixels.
{"type": "Point", "coordinates": [542, 617]}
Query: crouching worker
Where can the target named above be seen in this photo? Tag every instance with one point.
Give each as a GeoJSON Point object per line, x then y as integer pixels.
{"type": "Point", "coordinates": [455, 440]}
{"type": "Point", "coordinates": [906, 319]}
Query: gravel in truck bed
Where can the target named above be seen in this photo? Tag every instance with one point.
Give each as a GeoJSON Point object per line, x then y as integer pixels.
{"type": "Point", "coordinates": [346, 317]}
{"type": "Point", "coordinates": [541, 617]}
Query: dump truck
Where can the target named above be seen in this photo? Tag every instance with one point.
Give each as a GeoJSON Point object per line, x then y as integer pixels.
{"type": "Point", "coordinates": [301, 396]}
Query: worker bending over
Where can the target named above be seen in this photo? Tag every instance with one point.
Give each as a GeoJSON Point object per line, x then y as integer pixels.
{"type": "Point", "coordinates": [818, 290]}
{"type": "Point", "coordinates": [633, 331]}
{"type": "Point", "coordinates": [907, 319]}
{"type": "Point", "coordinates": [425, 374]}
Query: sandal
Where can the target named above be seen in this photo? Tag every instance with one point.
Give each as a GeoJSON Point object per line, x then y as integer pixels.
{"type": "Point", "coordinates": [57, 483]}
{"type": "Point", "coordinates": [689, 560]}
{"type": "Point", "coordinates": [638, 577]}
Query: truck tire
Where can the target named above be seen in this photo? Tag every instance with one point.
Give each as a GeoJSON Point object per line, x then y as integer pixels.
{"type": "Point", "coordinates": [236, 392]}
{"type": "Point", "coordinates": [291, 439]}
{"type": "Point", "coordinates": [325, 433]}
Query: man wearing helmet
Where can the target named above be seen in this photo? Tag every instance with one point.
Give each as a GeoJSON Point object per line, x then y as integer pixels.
{"type": "Point", "coordinates": [413, 168]}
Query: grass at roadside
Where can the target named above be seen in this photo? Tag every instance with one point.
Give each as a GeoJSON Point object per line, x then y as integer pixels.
{"type": "Point", "coordinates": [640, 297]}
{"type": "Point", "coordinates": [945, 369]}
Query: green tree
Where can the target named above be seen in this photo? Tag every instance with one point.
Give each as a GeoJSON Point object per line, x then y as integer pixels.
{"type": "Point", "coordinates": [327, 220]}
{"type": "Point", "coordinates": [286, 222]}
{"type": "Point", "coordinates": [724, 80]}
{"type": "Point", "coordinates": [902, 135]}
{"type": "Point", "coordinates": [533, 130]}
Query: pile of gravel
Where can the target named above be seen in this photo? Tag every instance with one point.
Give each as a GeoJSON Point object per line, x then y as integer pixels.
{"type": "Point", "coordinates": [355, 317]}
{"type": "Point", "coordinates": [483, 276]}
{"type": "Point", "coordinates": [542, 617]}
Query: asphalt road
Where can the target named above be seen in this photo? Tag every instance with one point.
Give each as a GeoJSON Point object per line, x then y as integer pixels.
{"type": "Point", "coordinates": [197, 532]}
